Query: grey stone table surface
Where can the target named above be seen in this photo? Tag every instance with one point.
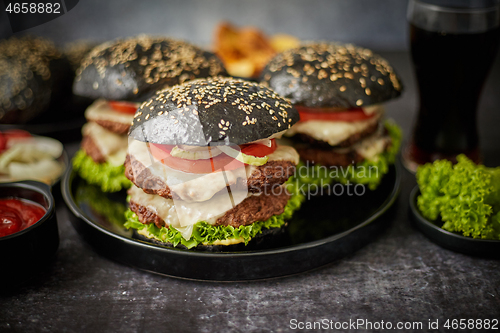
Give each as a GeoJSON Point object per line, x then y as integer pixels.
{"type": "Point", "coordinates": [400, 276]}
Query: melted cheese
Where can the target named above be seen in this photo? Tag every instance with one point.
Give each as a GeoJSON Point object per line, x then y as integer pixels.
{"type": "Point", "coordinates": [200, 187]}
{"type": "Point", "coordinates": [111, 145]}
{"type": "Point", "coordinates": [370, 148]}
{"type": "Point", "coordinates": [376, 108]}
{"type": "Point", "coordinates": [182, 215]}
{"type": "Point", "coordinates": [100, 110]}
{"type": "Point", "coordinates": [284, 153]}
{"type": "Point", "coordinates": [332, 132]}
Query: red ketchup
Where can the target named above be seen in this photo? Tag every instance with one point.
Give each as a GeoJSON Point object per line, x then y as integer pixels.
{"type": "Point", "coordinates": [18, 214]}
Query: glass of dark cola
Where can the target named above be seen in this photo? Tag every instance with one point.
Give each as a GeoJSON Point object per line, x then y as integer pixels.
{"type": "Point", "coordinates": [453, 45]}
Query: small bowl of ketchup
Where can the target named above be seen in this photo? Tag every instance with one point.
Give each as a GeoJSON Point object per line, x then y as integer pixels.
{"type": "Point", "coordinates": [29, 236]}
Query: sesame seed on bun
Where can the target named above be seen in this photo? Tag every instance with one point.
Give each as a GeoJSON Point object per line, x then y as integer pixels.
{"type": "Point", "coordinates": [134, 68]}
{"type": "Point", "coordinates": [213, 111]}
{"type": "Point", "coordinates": [332, 75]}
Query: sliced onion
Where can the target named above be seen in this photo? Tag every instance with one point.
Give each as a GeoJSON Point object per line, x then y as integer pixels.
{"type": "Point", "coordinates": [32, 158]}
{"type": "Point", "coordinates": [46, 170]}
{"type": "Point", "coordinates": [22, 154]}
{"type": "Point", "coordinates": [42, 144]}
{"type": "Point", "coordinates": [195, 153]}
{"type": "Point", "coordinates": [371, 109]}
{"type": "Point", "coordinates": [244, 158]}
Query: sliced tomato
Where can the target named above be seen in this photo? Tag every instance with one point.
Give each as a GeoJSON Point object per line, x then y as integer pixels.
{"type": "Point", "coordinates": [160, 151]}
{"type": "Point", "coordinates": [332, 114]}
{"type": "Point", "coordinates": [258, 149]}
{"type": "Point", "coordinates": [124, 107]}
{"type": "Point", "coordinates": [3, 142]}
{"type": "Point", "coordinates": [5, 136]}
{"type": "Point", "coordinates": [16, 133]}
{"type": "Point", "coordinates": [217, 163]}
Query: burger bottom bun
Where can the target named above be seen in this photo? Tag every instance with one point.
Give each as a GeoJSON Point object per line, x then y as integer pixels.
{"type": "Point", "coordinates": [268, 238]}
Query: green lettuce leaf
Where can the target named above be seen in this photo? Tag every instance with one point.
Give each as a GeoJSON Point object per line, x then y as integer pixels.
{"type": "Point", "coordinates": [109, 178]}
{"type": "Point", "coordinates": [367, 172]}
{"type": "Point", "coordinates": [204, 233]}
{"type": "Point", "coordinates": [465, 197]}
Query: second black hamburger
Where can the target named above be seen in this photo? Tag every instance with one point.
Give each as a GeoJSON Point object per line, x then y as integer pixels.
{"type": "Point", "coordinates": [206, 169]}
{"type": "Point", "coordinates": [338, 90]}
{"type": "Point", "coordinates": [121, 74]}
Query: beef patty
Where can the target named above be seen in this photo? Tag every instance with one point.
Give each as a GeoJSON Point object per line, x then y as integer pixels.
{"type": "Point", "coordinates": [252, 209]}
{"type": "Point", "coordinates": [273, 173]}
{"type": "Point", "coordinates": [113, 126]}
{"type": "Point", "coordinates": [332, 157]}
{"type": "Point", "coordinates": [356, 137]}
{"type": "Point", "coordinates": [328, 157]}
{"type": "Point", "coordinates": [90, 148]}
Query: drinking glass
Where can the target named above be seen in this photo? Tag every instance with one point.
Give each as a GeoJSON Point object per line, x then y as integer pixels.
{"type": "Point", "coordinates": [453, 45]}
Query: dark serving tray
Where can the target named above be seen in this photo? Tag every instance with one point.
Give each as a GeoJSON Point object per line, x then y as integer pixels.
{"type": "Point", "coordinates": [324, 229]}
{"type": "Point", "coordinates": [487, 248]}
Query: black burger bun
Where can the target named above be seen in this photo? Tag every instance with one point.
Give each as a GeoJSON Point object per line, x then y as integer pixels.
{"type": "Point", "coordinates": [33, 73]}
{"type": "Point", "coordinates": [218, 111]}
{"type": "Point", "coordinates": [332, 75]}
{"type": "Point", "coordinates": [133, 69]}
{"type": "Point", "coordinates": [23, 93]}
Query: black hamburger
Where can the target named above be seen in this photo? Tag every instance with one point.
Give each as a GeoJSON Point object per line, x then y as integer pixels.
{"type": "Point", "coordinates": [119, 75]}
{"type": "Point", "coordinates": [206, 169]}
{"type": "Point", "coordinates": [33, 73]}
{"type": "Point", "coordinates": [338, 90]}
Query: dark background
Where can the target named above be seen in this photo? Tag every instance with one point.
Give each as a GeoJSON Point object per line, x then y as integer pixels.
{"type": "Point", "coordinates": [378, 24]}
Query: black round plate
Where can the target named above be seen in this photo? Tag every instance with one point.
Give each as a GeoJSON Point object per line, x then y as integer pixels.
{"type": "Point", "coordinates": [324, 229]}
{"type": "Point", "coordinates": [456, 242]}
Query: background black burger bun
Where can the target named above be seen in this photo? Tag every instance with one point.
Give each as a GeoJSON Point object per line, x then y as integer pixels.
{"type": "Point", "coordinates": [332, 75]}
{"type": "Point", "coordinates": [33, 73]}
{"type": "Point", "coordinates": [133, 69]}
{"type": "Point", "coordinates": [23, 93]}
{"type": "Point", "coordinates": [218, 111]}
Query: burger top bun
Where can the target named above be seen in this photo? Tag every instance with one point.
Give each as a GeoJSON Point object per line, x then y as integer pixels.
{"type": "Point", "coordinates": [32, 69]}
{"type": "Point", "coordinates": [332, 75]}
{"type": "Point", "coordinates": [23, 93]}
{"type": "Point", "coordinates": [133, 69]}
{"type": "Point", "coordinates": [218, 111]}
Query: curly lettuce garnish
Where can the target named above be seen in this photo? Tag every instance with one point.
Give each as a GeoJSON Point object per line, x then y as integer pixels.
{"type": "Point", "coordinates": [368, 172]}
{"type": "Point", "coordinates": [204, 233]}
{"type": "Point", "coordinates": [110, 178]}
{"type": "Point", "coordinates": [465, 196]}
